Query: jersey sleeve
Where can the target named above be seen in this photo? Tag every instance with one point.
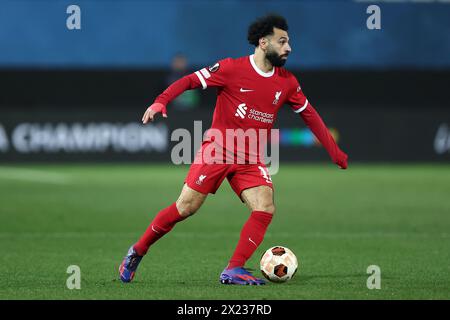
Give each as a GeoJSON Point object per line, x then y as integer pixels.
{"type": "Point", "coordinates": [215, 75]}
{"type": "Point", "coordinates": [297, 100]}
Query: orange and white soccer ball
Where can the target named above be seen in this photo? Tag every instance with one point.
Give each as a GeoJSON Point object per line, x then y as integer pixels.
{"type": "Point", "coordinates": [278, 264]}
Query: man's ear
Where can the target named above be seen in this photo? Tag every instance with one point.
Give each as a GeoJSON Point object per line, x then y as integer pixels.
{"type": "Point", "coordinates": [263, 43]}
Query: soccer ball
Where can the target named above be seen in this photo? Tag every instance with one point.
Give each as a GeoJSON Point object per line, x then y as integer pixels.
{"type": "Point", "coordinates": [278, 264]}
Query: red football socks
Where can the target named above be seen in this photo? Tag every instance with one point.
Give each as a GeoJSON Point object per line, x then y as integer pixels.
{"type": "Point", "coordinates": [252, 235]}
{"type": "Point", "coordinates": [164, 221]}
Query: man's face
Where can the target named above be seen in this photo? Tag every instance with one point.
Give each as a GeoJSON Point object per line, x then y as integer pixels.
{"type": "Point", "coordinates": [278, 47]}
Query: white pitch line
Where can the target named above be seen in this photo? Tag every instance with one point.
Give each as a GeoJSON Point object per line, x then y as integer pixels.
{"type": "Point", "coordinates": [31, 175]}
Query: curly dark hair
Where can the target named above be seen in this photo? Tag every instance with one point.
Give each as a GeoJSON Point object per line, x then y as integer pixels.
{"type": "Point", "coordinates": [264, 26]}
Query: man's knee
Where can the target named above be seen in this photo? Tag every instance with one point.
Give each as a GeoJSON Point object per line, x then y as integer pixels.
{"type": "Point", "coordinates": [189, 201]}
{"type": "Point", "coordinates": [266, 207]}
{"type": "Point", "coordinates": [187, 207]}
{"type": "Point", "coordinates": [259, 199]}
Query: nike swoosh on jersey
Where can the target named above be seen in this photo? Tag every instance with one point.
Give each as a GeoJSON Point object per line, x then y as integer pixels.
{"type": "Point", "coordinates": [246, 90]}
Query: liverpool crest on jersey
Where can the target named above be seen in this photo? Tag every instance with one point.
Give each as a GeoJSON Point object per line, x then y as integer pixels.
{"type": "Point", "coordinates": [277, 97]}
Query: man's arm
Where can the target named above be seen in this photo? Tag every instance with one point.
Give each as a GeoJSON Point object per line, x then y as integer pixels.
{"type": "Point", "coordinates": [174, 90]}
{"type": "Point", "coordinates": [214, 76]}
{"type": "Point", "coordinates": [301, 105]}
{"type": "Point", "coordinates": [318, 127]}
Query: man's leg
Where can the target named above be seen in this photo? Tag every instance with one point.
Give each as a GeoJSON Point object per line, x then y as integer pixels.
{"type": "Point", "coordinates": [260, 202]}
{"type": "Point", "coordinates": [187, 204]}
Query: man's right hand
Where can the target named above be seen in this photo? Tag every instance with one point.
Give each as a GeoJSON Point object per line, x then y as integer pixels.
{"type": "Point", "coordinates": [341, 159]}
{"type": "Point", "coordinates": [151, 111]}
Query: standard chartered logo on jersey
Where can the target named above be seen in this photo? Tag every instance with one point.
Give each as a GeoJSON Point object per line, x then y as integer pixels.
{"type": "Point", "coordinates": [253, 114]}
{"type": "Point", "coordinates": [241, 111]}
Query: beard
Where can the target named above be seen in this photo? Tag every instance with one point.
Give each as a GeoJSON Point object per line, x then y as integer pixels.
{"type": "Point", "coordinates": [275, 59]}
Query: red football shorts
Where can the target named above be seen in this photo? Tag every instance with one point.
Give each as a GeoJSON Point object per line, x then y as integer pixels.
{"type": "Point", "coordinates": [207, 177]}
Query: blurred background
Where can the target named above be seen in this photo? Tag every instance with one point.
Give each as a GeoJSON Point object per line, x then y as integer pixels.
{"type": "Point", "coordinates": [76, 81]}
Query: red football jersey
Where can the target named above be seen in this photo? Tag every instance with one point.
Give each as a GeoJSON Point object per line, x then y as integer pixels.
{"type": "Point", "coordinates": [249, 98]}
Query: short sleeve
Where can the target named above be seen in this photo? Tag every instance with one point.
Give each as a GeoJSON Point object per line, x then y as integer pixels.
{"type": "Point", "coordinates": [297, 100]}
{"type": "Point", "coordinates": [215, 75]}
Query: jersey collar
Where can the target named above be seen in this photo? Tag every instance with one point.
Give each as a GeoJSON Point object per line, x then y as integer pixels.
{"type": "Point", "coordinates": [258, 70]}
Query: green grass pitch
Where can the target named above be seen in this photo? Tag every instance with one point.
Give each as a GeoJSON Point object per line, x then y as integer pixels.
{"type": "Point", "coordinates": [337, 222]}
